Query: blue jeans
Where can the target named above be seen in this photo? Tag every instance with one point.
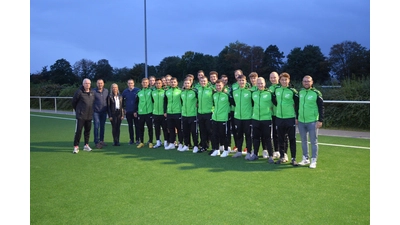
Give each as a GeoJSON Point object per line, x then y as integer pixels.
{"type": "Point", "coordinates": [312, 131]}
{"type": "Point", "coordinates": [99, 122]}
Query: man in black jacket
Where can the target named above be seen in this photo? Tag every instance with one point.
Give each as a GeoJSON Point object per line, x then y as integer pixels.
{"type": "Point", "coordinates": [82, 102]}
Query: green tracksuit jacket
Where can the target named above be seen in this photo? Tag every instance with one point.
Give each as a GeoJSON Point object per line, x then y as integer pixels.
{"type": "Point", "coordinates": [263, 106]}
{"type": "Point", "coordinates": [311, 106]}
{"type": "Point", "coordinates": [189, 102]}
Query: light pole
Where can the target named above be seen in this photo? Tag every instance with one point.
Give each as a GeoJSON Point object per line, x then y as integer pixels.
{"type": "Point", "coordinates": [145, 41]}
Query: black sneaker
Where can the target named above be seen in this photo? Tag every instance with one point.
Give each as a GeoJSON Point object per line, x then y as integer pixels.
{"type": "Point", "coordinates": [201, 150]}
{"type": "Point", "coordinates": [280, 161]}
{"type": "Point", "coordinates": [294, 163]}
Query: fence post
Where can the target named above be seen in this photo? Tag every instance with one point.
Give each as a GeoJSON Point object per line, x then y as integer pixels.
{"type": "Point", "coordinates": [55, 104]}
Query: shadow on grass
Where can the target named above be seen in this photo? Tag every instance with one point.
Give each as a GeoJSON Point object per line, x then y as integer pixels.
{"type": "Point", "coordinates": [188, 159]}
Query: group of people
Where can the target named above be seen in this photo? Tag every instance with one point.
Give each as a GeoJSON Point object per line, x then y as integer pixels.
{"type": "Point", "coordinates": [203, 115]}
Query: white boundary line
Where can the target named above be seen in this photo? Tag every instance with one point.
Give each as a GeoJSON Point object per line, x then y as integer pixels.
{"type": "Point", "coordinates": [327, 144]}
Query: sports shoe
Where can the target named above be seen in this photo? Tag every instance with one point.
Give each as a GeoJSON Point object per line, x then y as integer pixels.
{"type": "Point", "coordinates": [99, 146]}
{"type": "Point", "coordinates": [137, 142]}
{"type": "Point", "coordinates": [195, 149]}
{"type": "Point", "coordinates": [265, 154]}
{"type": "Point", "coordinates": [180, 146]}
{"type": "Point", "coordinates": [215, 153]}
{"type": "Point", "coordinates": [237, 155]}
{"type": "Point", "coordinates": [140, 145]}
{"type": "Point", "coordinates": [294, 163]}
{"type": "Point", "coordinates": [185, 148]}
{"type": "Point", "coordinates": [151, 145]}
{"type": "Point", "coordinates": [270, 160]}
{"type": "Point", "coordinates": [248, 156]}
{"type": "Point", "coordinates": [234, 149]}
{"type": "Point", "coordinates": [165, 143]}
{"type": "Point", "coordinates": [229, 148]}
{"type": "Point", "coordinates": [305, 161]}
{"type": "Point", "coordinates": [76, 150]}
{"type": "Point", "coordinates": [170, 146]}
{"type": "Point", "coordinates": [103, 143]}
{"type": "Point", "coordinates": [286, 158]}
{"type": "Point", "coordinates": [276, 155]}
{"type": "Point", "coordinates": [280, 161]}
{"type": "Point", "coordinates": [225, 153]}
{"type": "Point", "coordinates": [87, 148]}
{"type": "Point", "coordinates": [130, 142]}
{"type": "Point", "coordinates": [202, 150]}
{"type": "Point", "coordinates": [313, 164]}
{"type": "Point", "coordinates": [158, 144]}
{"type": "Point", "coordinates": [253, 157]}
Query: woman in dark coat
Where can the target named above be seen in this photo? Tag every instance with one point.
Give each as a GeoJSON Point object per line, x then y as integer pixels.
{"type": "Point", "coordinates": [115, 112]}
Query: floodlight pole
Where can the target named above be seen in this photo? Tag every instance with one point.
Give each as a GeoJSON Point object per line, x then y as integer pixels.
{"type": "Point", "coordinates": [145, 41]}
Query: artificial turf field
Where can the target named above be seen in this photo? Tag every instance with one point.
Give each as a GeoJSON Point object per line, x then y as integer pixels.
{"type": "Point", "coordinates": [126, 185]}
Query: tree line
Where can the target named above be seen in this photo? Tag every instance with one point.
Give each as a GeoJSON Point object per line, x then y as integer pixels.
{"type": "Point", "coordinates": [346, 60]}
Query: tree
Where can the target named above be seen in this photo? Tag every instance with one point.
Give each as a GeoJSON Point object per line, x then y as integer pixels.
{"type": "Point", "coordinates": [136, 72]}
{"type": "Point", "coordinates": [256, 60]}
{"type": "Point", "coordinates": [40, 77]}
{"type": "Point", "coordinates": [191, 62]}
{"type": "Point", "coordinates": [236, 55]}
{"type": "Point", "coordinates": [121, 74]}
{"type": "Point", "coordinates": [84, 68]}
{"type": "Point", "coordinates": [103, 70]}
{"type": "Point", "coordinates": [273, 59]}
{"type": "Point", "coordinates": [309, 61]}
{"type": "Point", "coordinates": [349, 58]}
{"type": "Point", "coordinates": [169, 65]}
{"type": "Point", "coordinates": [61, 73]}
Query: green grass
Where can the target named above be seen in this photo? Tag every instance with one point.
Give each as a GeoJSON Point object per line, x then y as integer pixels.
{"type": "Point", "coordinates": [126, 185]}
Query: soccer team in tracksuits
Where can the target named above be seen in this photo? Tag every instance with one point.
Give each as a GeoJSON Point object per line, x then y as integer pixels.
{"type": "Point", "coordinates": [210, 114]}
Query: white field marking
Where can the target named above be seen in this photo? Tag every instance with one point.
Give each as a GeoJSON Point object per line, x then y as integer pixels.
{"type": "Point", "coordinates": [336, 145]}
{"type": "Point", "coordinates": [63, 118]}
{"type": "Point", "coordinates": [344, 146]}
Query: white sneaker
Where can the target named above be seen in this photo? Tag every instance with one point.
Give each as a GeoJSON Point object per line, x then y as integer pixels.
{"type": "Point", "coordinates": [229, 148]}
{"type": "Point", "coordinates": [248, 156]}
{"type": "Point", "coordinates": [286, 158]}
{"type": "Point", "coordinates": [195, 149]}
{"type": "Point", "coordinates": [265, 154]}
{"type": "Point", "coordinates": [184, 148]}
{"type": "Point", "coordinates": [180, 146]}
{"type": "Point", "coordinates": [215, 152]}
{"type": "Point", "coordinates": [87, 148]}
{"type": "Point", "coordinates": [305, 161]}
{"type": "Point", "coordinates": [225, 153]}
{"type": "Point", "coordinates": [76, 150]}
{"type": "Point", "coordinates": [165, 143]}
{"type": "Point", "coordinates": [170, 146]}
{"type": "Point", "coordinates": [313, 164]}
{"type": "Point", "coordinates": [276, 155]}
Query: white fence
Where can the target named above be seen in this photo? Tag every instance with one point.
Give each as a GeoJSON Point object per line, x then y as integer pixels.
{"type": "Point", "coordinates": [40, 98]}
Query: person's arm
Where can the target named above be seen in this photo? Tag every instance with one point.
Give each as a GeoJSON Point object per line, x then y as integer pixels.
{"type": "Point", "coordinates": [296, 103]}
{"type": "Point", "coordinates": [321, 110]}
{"type": "Point", "coordinates": [109, 106]}
{"type": "Point", "coordinates": [136, 106]}
{"type": "Point", "coordinates": [165, 102]}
